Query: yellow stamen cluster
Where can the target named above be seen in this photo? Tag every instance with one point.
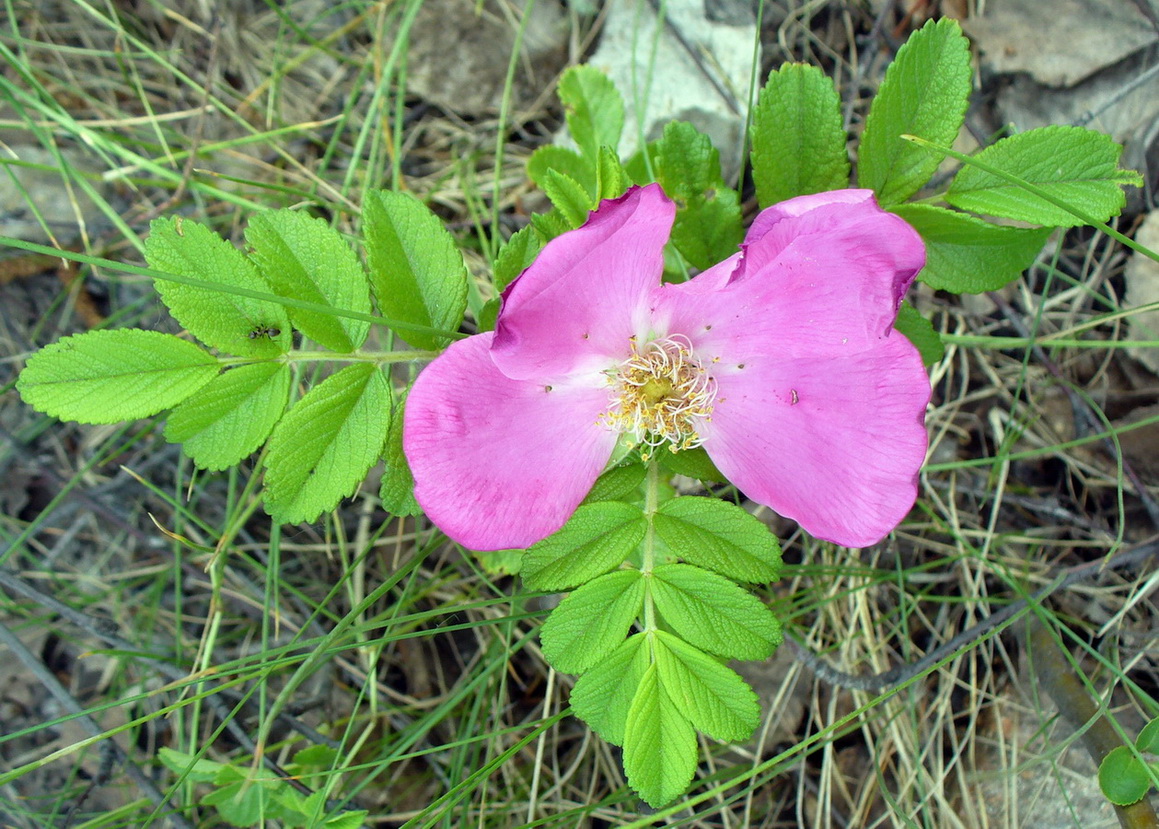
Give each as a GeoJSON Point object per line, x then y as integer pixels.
{"type": "Point", "coordinates": [661, 394]}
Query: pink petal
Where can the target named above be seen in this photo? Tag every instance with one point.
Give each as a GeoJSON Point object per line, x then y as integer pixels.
{"type": "Point", "coordinates": [826, 281]}
{"type": "Point", "coordinates": [500, 463]}
{"type": "Point", "coordinates": [835, 444]}
{"type": "Point", "coordinates": [802, 205]}
{"type": "Point", "coordinates": [583, 296]}
{"type": "Point", "coordinates": [819, 409]}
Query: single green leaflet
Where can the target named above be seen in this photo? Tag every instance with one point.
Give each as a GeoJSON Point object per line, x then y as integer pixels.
{"type": "Point", "coordinates": [714, 613]}
{"type": "Point", "coordinates": [562, 160]}
{"type": "Point", "coordinates": [611, 177]}
{"type": "Point", "coordinates": [719, 536]}
{"type": "Point", "coordinates": [967, 255]}
{"type": "Point", "coordinates": [232, 415]}
{"type": "Point", "coordinates": [226, 321]}
{"type": "Point", "coordinates": [603, 696]}
{"type": "Point", "coordinates": [241, 803]}
{"type": "Point", "coordinates": [302, 257]}
{"type": "Point", "coordinates": [617, 484]}
{"type": "Point", "coordinates": [515, 257]}
{"type": "Point", "coordinates": [715, 699]}
{"type": "Point", "coordinates": [798, 138]}
{"type": "Point", "coordinates": [692, 463]}
{"type": "Point", "coordinates": [1077, 166]}
{"type": "Point", "coordinates": [569, 197]}
{"type": "Point", "coordinates": [417, 272]}
{"type": "Point", "coordinates": [919, 331]}
{"type": "Point", "coordinates": [1148, 739]}
{"type": "Point", "coordinates": [549, 225]}
{"type": "Point", "coordinates": [324, 446]}
{"type": "Point", "coordinates": [109, 376]}
{"type": "Point", "coordinates": [708, 226]}
{"type": "Point", "coordinates": [595, 539]}
{"type": "Point", "coordinates": [590, 623]}
{"type": "Point", "coordinates": [660, 751]}
{"type": "Point", "coordinates": [593, 108]}
{"type": "Point", "coordinates": [189, 767]}
{"type": "Point", "coordinates": [397, 491]}
{"type": "Point", "coordinates": [925, 93]}
{"type": "Point", "coordinates": [1122, 778]}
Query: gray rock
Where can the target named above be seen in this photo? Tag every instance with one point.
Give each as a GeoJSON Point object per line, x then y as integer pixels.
{"type": "Point", "coordinates": [459, 51]}
{"type": "Point", "coordinates": [701, 72]}
{"type": "Point", "coordinates": [32, 184]}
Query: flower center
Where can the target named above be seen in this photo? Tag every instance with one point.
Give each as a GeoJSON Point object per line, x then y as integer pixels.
{"type": "Point", "coordinates": [661, 394]}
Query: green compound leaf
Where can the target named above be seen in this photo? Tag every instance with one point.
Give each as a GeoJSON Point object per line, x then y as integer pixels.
{"type": "Point", "coordinates": [108, 376]}
{"type": "Point", "coordinates": [617, 484]}
{"type": "Point", "coordinates": [708, 219]}
{"type": "Point", "coordinates": [569, 197]}
{"type": "Point", "coordinates": [397, 491]}
{"type": "Point", "coordinates": [603, 696]}
{"type": "Point", "coordinates": [562, 160]}
{"type": "Point", "coordinates": [229, 322]}
{"type": "Point", "coordinates": [966, 255]}
{"type": "Point", "coordinates": [325, 444]}
{"type": "Point", "coordinates": [302, 257]}
{"type": "Point", "coordinates": [232, 415]}
{"type": "Point", "coordinates": [416, 271]}
{"type": "Point", "coordinates": [1122, 777]}
{"type": "Point", "coordinates": [515, 257]}
{"type": "Point", "coordinates": [593, 108]}
{"type": "Point", "coordinates": [1077, 166]}
{"type": "Point", "coordinates": [595, 539]}
{"type": "Point", "coordinates": [924, 93]}
{"type": "Point", "coordinates": [798, 136]}
{"type": "Point", "coordinates": [719, 536]}
{"type": "Point", "coordinates": [592, 622]}
{"type": "Point", "coordinates": [659, 743]}
{"type": "Point", "coordinates": [714, 698]}
{"type": "Point", "coordinates": [1148, 739]}
{"type": "Point", "coordinates": [713, 613]}
{"type": "Point", "coordinates": [919, 331]}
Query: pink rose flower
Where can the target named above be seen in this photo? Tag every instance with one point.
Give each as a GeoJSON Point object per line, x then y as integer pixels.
{"type": "Point", "coordinates": [780, 361]}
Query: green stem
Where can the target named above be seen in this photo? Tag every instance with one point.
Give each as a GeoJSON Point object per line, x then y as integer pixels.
{"type": "Point", "coordinates": [380, 357]}
{"type": "Point", "coordinates": [651, 488]}
{"type": "Point", "coordinates": [984, 341]}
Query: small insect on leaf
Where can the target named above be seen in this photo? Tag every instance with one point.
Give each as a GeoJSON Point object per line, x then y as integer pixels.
{"type": "Point", "coordinates": [265, 331]}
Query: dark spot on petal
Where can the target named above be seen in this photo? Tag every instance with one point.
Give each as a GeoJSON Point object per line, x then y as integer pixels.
{"type": "Point", "coordinates": [708, 328]}
{"type": "Point", "coordinates": [548, 388]}
{"type": "Point", "coordinates": [740, 365]}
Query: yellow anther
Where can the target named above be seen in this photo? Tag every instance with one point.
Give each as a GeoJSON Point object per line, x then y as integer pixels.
{"type": "Point", "coordinates": [661, 394]}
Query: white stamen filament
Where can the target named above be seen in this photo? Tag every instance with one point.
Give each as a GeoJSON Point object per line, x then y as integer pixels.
{"type": "Point", "coordinates": [661, 394]}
